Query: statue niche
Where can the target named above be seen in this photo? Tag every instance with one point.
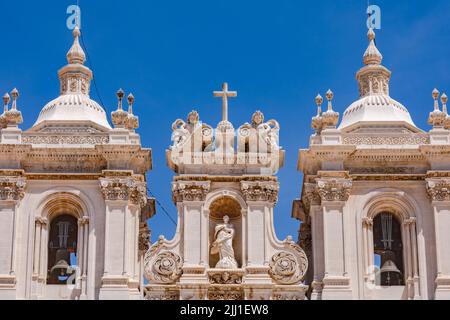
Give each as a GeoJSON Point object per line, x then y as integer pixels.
{"type": "Point", "coordinates": [225, 229]}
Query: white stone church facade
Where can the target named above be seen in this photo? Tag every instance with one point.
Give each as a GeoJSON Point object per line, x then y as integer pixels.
{"type": "Point", "coordinates": [374, 206]}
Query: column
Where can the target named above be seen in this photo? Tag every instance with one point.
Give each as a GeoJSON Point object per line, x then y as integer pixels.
{"type": "Point", "coordinates": [368, 271]}
{"type": "Point", "coordinates": [439, 192]}
{"type": "Point", "coordinates": [37, 257]}
{"type": "Point", "coordinates": [124, 196]}
{"type": "Point", "coordinates": [83, 241]}
{"type": "Point", "coordinates": [415, 261]}
{"type": "Point", "coordinates": [408, 254]}
{"type": "Point", "coordinates": [11, 192]}
{"type": "Point", "coordinates": [334, 192]}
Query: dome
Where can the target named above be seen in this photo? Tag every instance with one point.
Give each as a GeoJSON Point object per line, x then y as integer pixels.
{"type": "Point", "coordinates": [376, 109]}
{"type": "Point", "coordinates": [74, 105]}
{"type": "Point", "coordinates": [73, 108]}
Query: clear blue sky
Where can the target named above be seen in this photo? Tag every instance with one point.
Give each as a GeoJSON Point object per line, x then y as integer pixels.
{"type": "Point", "coordinates": [277, 54]}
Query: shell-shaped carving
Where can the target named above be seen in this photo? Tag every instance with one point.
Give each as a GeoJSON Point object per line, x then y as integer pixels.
{"type": "Point", "coordinates": [164, 268]}
{"type": "Point", "coordinates": [289, 268]}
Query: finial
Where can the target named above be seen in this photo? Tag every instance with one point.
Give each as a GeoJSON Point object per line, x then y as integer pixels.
{"type": "Point", "coordinates": [120, 94]}
{"type": "Point", "coordinates": [372, 54]}
{"type": "Point", "coordinates": [76, 54]}
{"type": "Point", "coordinates": [330, 96]}
{"type": "Point", "coordinates": [435, 95]}
{"type": "Point", "coordinates": [437, 118]}
{"type": "Point", "coordinates": [330, 118]}
{"type": "Point", "coordinates": [132, 121]}
{"type": "Point", "coordinates": [119, 117]}
{"type": "Point", "coordinates": [130, 103]}
{"type": "Point", "coordinates": [444, 100]}
{"type": "Point", "coordinates": [15, 95]}
{"type": "Point", "coordinates": [371, 34]}
{"type": "Point", "coordinates": [6, 99]}
{"type": "Point", "coordinates": [317, 121]}
{"type": "Point", "coordinates": [319, 101]}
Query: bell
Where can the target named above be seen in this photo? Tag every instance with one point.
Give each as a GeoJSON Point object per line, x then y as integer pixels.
{"type": "Point", "coordinates": [389, 266]}
{"type": "Point", "coordinates": [62, 266]}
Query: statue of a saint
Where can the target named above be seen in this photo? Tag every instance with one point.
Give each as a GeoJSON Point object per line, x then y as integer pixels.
{"type": "Point", "coordinates": [223, 245]}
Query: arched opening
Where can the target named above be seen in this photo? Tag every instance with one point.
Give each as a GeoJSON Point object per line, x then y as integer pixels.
{"type": "Point", "coordinates": [62, 249]}
{"type": "Point", "coordinates": [225, 206]}
{"type": "Point", "coordinates": [388, 250]}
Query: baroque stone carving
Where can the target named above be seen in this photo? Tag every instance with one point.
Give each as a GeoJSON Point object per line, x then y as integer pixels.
{"type": "Point", "coordinates": [12, 188]}
{"type": "Point", "coordinates": [290, 266]}
{"type": "Point", "coordinates": [225, 294]}
{"type": "Point", "coordinates": [305, 238]}
{"type": "Point", "coordinates": [439, 190]}
{"type": "Point", "coordinates": [334, 189]}
{"type": "Point", "coordinates": [225, 277]}
{"type": "Point", "coordinates": [190, 191]}
{"type": "Point", "coordinates": [144, 237]}
{"type": "Point", "coordinates": [76, 139]}
{"type": "Point", "coordinates": [164, 268]}
{"type": "Point", "coordinates": [386, 140]}
{"type": "Point", "coordinates": [260, 191]}
{"type": "Point", "coordinates": [127, 189]}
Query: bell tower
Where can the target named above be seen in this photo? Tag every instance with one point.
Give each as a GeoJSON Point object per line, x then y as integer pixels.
{"type": "Point", "coordinates": [225, 190]}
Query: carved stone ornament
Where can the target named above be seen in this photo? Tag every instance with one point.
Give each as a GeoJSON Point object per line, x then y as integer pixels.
{"type": "Point", "coordinates": [190, 191]}
{"type": "Point", "coordinates": [334, 189]}
{"type": "Point", "coordinates": [126, 189]}
{"type": "Point", "coordinates": [225, 277]}
{"type": "Point", "coordinates": [260, 191]}
{"type": "Point", "coordinates": [144, 237]}
{"type": "Point", "coordinates": [162, 268]}
{"type": "Point", "coordinates": [12, 188]}
{"type": "Point", "coordinates": [289, 267]}
{"type": "Point", "coordinates": [439, 190]}
{"type": "Point", "coordinates": [224, 293]}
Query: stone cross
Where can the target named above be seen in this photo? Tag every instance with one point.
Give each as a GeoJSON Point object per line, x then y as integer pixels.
{"type": "Point", "coordinates": [225, 94]}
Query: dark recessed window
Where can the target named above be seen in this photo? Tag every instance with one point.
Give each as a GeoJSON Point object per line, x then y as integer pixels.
{"type": "Point", "coordinates": [388, 250]}
{"type": "Point", "coordinates": [62, 249]}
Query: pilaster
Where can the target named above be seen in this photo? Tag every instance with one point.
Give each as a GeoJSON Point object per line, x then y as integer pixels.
{"type": "Point", "coordinates": [334, 190]}
{"type": "Point", "coordinates": [11, 193]}
{"type": "Point", "coordinates": [124, 196]}
{"type": "Point", "coordinates": [439, 192]}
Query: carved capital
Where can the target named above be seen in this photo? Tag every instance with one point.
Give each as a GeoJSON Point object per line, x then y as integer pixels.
{"type": "Point", "coordinates": [41, 221]}
{"type": "Point", "coordinates": [310, 195]}
{"type": "Point", "coordinates": [410, 222]}
{"type": "Point", "coordinates": [12, 188]}
{"type": "Point", "coordinates": [331, 189]}
{"type": "Point", "coordinates": [190, 190]}
{"type": "Point", "coordinates": [367, 222]}
{"type": "Point", "coordinates": [438, 189]}
{"type": "Point", "coordinates": [125, 189]}
{"type": "Point", "coordinates": [83, 221]}
{"type": "Point", "coordinates": [260, 191]}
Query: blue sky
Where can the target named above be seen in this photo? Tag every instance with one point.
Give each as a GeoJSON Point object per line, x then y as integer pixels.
{"type": "Point", "coordinates": [277, 54]}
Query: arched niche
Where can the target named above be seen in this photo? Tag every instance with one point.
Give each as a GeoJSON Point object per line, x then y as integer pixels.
{"type": "Point", "coordinates": [220, 207]}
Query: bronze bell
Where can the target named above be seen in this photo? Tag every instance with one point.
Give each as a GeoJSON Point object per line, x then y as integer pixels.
{"type": "Point", "coordinates": [389, 266]}
{"type": "Point", "coordinates": [62, 265]}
